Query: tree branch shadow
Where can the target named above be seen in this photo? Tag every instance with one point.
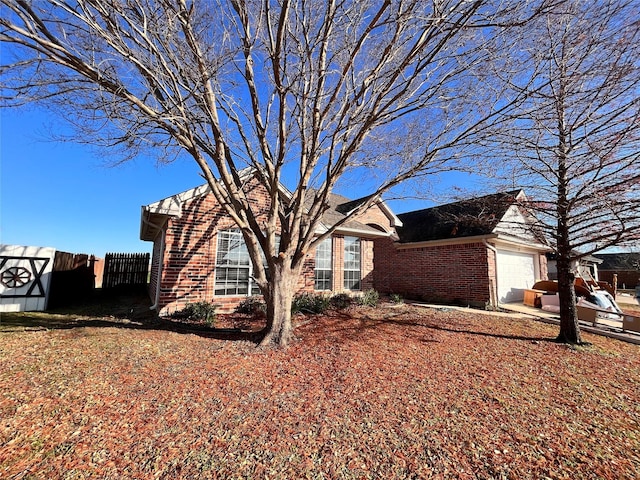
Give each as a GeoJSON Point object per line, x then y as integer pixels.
{"type": "Point", "coordinates": [367, 323]}
{"type": "Point", "coordinates": [494, 335]}
{"type": "Point", "coordinates": [121, 311]}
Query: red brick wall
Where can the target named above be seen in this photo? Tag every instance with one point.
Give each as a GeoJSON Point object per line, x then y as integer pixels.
{"type": "Point", "coordinates": [337, 276]}
{"type": "Point", "coordinates": [544, 269]}
{"type": "Point", "coordinates": [446, 273]}
{"type": "Point", "coordinates": [375, 216]}
{"type": "Point", "coordinates": [385, 255]}
{"type": "Point", "coordinates": [306, 282]}
{"type": "Point", "coordinates": [492, 274]}
{"type": "Point", "coordinates": [188, 272]}
{"type": "Point", "coordinates": [366, 264]}
{"type": "Point", "coordinates": [189, 254]}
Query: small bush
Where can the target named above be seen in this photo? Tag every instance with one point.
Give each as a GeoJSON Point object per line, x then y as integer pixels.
{"type": "Point", "coordinates": [395, 298]}
{"type": "Point", "coordinates": [309, 303]}
{"type": "Point", "coordinates": [197, 311]}
{"type": "Point", "coordinates": [251, 306]}
{"type": "Point", "coordinates": [369, 298]}
{"type": "Point", "coordinates": [341, 301]}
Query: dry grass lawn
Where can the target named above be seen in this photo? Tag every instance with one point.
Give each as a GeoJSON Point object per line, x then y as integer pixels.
{"type": "Point", "coordinates": [393, 392]}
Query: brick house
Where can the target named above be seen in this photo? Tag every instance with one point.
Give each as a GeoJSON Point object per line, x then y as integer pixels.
{"type": "Point", "coordinates": [477, 252]}
{"type": "Point", "coordinates": [198, 253]}
{"type": "Point", "coordinates": [482, 251]}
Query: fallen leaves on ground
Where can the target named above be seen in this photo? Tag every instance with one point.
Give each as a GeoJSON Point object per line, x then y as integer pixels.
{"type": "Point", "coordinates": [393, 392]}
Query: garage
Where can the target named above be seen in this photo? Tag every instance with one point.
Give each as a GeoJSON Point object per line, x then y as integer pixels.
{"type": "Point", "coordinates": [516, 272]}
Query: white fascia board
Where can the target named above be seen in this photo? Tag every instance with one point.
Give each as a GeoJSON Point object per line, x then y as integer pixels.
{"type": "Point", "coordinates": [496, 239]}
{"type": "Point", "coordinates": [362, 233]}
{"type": "Point", "coordinates": [322, 228]}
{"type": "Point", "coordinates": [167, 207]}
{"type": "Point", "coordinates": [151, 224]}
{"type": "Point", "coordinates": [393, 219]}
{"type": "Point", "coordinates": [520, 243]}
{"type": "Point", "coordinates": [173, 205]}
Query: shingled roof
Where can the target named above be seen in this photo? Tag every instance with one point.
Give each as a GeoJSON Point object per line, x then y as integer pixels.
{"type": "Point", "coordinates": [619, 261]}
{"type": "Point", "coordinates": [339, 208]}
{"type": "Point", "coordinates": [466, 218]}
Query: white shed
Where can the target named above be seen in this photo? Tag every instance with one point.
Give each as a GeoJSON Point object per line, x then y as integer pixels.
{"type": "Point", "coordinates": [25, 277]}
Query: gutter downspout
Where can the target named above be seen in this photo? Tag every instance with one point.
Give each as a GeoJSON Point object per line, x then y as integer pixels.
{"type": "Point", "coordinates": [160, 263]}
{"type": "Point", "coordinates": [494, 300]}
{"type": "Point", "coordinates": [163, 231]}
{"type": "Point", "coordinates": [156, 299]}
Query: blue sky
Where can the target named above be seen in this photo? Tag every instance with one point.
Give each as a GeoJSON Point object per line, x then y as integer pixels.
{"type": "Point", "coordinates": [63, 195]}
{"type": "Point", "coordinates": [66, 196]}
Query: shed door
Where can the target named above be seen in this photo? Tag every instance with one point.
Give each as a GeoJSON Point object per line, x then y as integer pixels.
{"type": "Point", "coordinates": [516, 272]}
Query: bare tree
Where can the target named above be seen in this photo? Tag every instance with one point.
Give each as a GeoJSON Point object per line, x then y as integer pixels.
{"type": "Point", "coordinates": [321, 89]}
{"type": "Point", "coordinates": [574, 143]}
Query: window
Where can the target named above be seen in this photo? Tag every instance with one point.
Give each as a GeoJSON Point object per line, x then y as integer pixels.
{"type": "Point", "coordinates": [351, 263]}
{"type": "Point", "coordinates": [323, 265]}
{"type": "Point", "coordinates": [233, 264]}
{"type": "Point", "coordinates": [234, 270]}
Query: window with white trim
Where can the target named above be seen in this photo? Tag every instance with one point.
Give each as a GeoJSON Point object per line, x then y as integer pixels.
{"type": "Point", "coordinates": [352, 263]}
{"type": "Point", "coordinates": [233, 264]}
{"type": "Point", "coordinates": [323, 267]}
{"type": "Point", "coordinates": [234, 270]}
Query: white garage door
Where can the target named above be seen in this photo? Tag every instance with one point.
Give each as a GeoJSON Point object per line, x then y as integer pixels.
{"type": "Point", "coordinates": [516, 272]}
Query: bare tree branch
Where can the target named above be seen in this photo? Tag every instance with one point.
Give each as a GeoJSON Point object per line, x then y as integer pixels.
{"type": "Point", "coordinates": [573, 144]}
{"type": "Point", "coordinates": [387, 89]}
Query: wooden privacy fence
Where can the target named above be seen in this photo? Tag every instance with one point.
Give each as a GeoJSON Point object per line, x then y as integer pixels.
{"type": "Point", "coordinates": [73, 278]}
{"type": "Point", "coordinates": [130, 269]}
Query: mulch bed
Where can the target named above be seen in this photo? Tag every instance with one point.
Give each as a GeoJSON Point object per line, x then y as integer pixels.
{"type": "Point", "coordinates": [393, 392]}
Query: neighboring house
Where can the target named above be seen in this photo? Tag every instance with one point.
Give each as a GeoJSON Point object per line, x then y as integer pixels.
{"type": "Point", "coordinates": [625, 265]}
{"type": "Point", "coordinates": [482, 251]}
{"type": "Point", "coordinates": [199, 254]}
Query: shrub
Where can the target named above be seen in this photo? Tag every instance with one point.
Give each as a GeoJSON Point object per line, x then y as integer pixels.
{"type": "Point", "coordinates": [369, 298]}
{"type": "Point", "coordinates": [197, 311]}
{"type": "Point", "coordinates": [341, 301]}
{"type": "Point", "coordinates": [309, 303]}
{"type": "Point", "coordinates": [395, 298]}
{"type": "Point", "coordinates": [251, 306]}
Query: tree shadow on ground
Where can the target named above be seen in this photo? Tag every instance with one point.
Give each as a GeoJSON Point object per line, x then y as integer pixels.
{"type": "Point", "coordinates": [131, 310]}
{"type": "Point", "coordinates": [366, 323]}
{"type": "Point", "coordinates": [494, 335]}
{"type": "Point", "coordinates": [127, 310]}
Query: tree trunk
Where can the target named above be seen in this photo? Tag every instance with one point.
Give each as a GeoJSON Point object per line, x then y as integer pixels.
{"type": "Point", "coordinates": [569, 328]}
{"type": "Point", "coordinates": [278, 297]}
